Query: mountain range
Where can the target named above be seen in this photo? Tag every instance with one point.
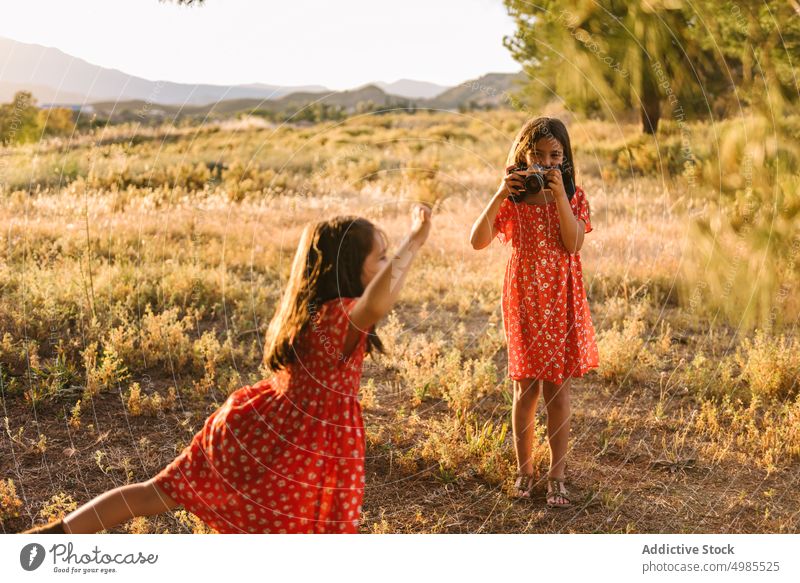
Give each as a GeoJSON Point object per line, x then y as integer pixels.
{"type": "Point", "coordinates": [56, 78]}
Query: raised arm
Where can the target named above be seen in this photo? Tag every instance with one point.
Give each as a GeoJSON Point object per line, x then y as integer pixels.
{"type": "Point", "coordinates": [382, 292]}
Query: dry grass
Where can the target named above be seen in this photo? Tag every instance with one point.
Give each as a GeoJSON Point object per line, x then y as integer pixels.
{"type": "Point", "coordinates": [136, 294]}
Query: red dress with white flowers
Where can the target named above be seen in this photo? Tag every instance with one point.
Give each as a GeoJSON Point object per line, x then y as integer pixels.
{"type": "Point", "coordinates": [285, 455]}
{"type": "Point", "coordinates": [546, 315]}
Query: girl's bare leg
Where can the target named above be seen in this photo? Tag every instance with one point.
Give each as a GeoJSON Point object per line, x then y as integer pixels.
{"type": "Point", "coordinates": [523, 420]}
{"type": "Point", "coordinates": [118, 506]}
{"type": "Point", "coordinates": [556, 399]}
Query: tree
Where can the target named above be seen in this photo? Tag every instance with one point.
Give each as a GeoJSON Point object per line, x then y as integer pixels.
{"type": "Point", "coordinates": [755, 42]}
{"type": "Point", "coordinates": [610, 54]}
{"type": "Point", "coordinates": [58, 121]}
{"type": "Point", "coordinates": [743, 261]}
{"type": "Point", "coordinates": [19, 120]}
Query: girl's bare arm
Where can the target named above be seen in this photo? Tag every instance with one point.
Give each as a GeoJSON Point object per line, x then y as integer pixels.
{"type": "Point", "coordinates": [572, 229]}
{"type": "Point", "coordinates": [382, 292]}
{"type": "Point", "coordinates": [118, 506]}
{"type": "Point", "coordinates": [483, 230]}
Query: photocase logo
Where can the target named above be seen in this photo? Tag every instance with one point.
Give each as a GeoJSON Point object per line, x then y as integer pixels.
{"type": "Point", "coordinates": [31, 556]}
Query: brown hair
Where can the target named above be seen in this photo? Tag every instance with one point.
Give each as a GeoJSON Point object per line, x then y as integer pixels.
{"type": "Point", "coordinates": [327, 265]}
{"type": "Point", "coordinates": [532, 131]}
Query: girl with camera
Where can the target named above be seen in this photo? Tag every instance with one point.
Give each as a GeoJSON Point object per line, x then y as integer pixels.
{"type": "Point", "coordinates": [546, 316]}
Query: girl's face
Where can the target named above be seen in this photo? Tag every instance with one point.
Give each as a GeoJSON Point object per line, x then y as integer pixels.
{"type": "Point", "coordinates": [546, 151]}
{"type": "Point", "coordinates": [375, 260]}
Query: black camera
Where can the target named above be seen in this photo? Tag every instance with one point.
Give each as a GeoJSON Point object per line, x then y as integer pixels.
{"type": "Point", "coordinates": [536, 181]}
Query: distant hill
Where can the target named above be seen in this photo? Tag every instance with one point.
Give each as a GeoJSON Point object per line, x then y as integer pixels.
{"type": "Point", "coordinates": [484, 92]}
{"type": "Point", "coordinates": [345, 99]}
{"type": "Point", "coordinates": [56, 77]}
{"type": "Point", "coordinates": [368, 97]}
{"type": "Point", "coordinates": [487, 91]}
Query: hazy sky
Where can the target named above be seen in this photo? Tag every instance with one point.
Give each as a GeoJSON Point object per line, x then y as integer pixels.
{"type": "Point", "coordinates": [336, 43]}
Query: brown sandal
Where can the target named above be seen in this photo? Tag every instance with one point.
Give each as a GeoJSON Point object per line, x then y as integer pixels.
{"type": "Point", "coordinates": [555, 490]}
{"type": "Point", "coordinates": [524, 484]}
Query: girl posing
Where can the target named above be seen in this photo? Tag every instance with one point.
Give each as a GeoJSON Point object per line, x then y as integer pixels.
{"type": "Point", "coordinates": [546, 315]}
{"type": "Point", "coordinates": [286, 455]}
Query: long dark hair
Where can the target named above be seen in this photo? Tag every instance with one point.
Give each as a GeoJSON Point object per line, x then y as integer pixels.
{"type": "Point", "coordinates": [532, 131]}
{"type": "Point", "coordinates": [327, 265]}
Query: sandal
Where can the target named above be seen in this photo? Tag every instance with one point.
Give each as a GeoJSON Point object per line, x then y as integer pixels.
{"type": "Point", "coordinates": [555, 490]}
{"type": "Point", "coordinates": [524, 484]}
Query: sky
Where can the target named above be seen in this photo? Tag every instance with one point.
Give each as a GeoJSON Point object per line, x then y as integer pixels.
{"type": "Point", "coordinates": [340, 44]}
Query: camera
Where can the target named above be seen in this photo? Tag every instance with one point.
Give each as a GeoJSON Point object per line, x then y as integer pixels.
{"type": "Point", "coordinates": [537, 181]}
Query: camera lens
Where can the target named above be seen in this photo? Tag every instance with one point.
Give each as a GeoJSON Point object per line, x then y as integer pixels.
{"type": "Point", "coordinates": [534, 183]}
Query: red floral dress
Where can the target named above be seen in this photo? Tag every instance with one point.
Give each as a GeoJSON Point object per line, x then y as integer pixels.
{"type": "Point", "coordinates": [546, 315]}
{"type": "Point", "coordinates": [285, 455]}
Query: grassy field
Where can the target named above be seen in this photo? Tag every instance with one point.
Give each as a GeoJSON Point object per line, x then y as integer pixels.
{"type": "Point", "coordinates": [139, 270]}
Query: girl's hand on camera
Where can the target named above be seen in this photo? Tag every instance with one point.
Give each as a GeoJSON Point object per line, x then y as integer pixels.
{"type": "Point", "coordinates": [555, 181]}
{"type": "Point", "coordinates": [420, 223]}
{"type": "Point", "coordinates": [514, 181]}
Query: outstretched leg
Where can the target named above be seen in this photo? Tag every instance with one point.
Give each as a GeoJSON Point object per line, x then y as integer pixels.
{"type": "Point", "coordinates": [118, 506]}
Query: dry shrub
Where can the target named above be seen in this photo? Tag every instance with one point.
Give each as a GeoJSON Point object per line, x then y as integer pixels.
{"type": "Point", "coordinates": [123, 340]}
{"type": "Point", "coordinates": [14, 355]}
{"type": "Point", "coordinates": [138, 525]}
{"type": "Point", "coordinates": [771, 367]}
{"type": "Point", "coordinates": [766, 435]}
{"type": "Point", "coordinates": [429, 190]}
{"type": "Point", "coordinates": [192, 523]}
{"type": "Point", "coordinates": [164, 338]}
{"type": "Point", "coordinates": [460, 446]}
{"type": "Point", "coordinates": [10, 503]}
{"type": "Point", "coordinates": [621, 350]}
{"type": "Point", "coordinates": [208, 353]}
{"type": "Point", "coordinates": [149, 405]}
{"type": "Point", "coordinates": [712, 379]}
{"type": "Point", "coordinates": [463, 382]}
{"type": "Point", "coordinates": [58, 507]}
{"type": "Point", "coordinates": [110, 370]}
{"type": "Point", "coordinates": [369, 398]}
{"type": "Point", "coordinates": [75, 416]}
